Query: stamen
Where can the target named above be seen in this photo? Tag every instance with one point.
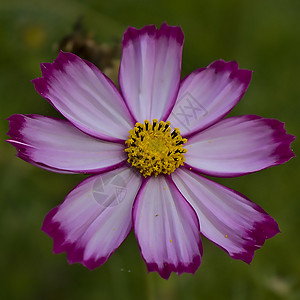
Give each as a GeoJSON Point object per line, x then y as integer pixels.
{"type": "Point", "coordinates": [153, 149]}
{"type": "Point", "coordinates": [167, 125]}
{"type": "Point", "coordinates": [154, 123]}
{"type": "Point", "coordinates": [137, 133]}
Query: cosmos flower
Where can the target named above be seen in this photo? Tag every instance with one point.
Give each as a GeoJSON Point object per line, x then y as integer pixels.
{"type": "Point", "coordinates": [147, 148]}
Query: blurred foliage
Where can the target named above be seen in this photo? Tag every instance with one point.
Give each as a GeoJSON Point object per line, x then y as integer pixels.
{"type": "Point", "coordinates": [262, 35]}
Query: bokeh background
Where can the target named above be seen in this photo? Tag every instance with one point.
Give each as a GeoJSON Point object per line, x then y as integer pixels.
{"type": "Point", "coordinates": [262, 35]}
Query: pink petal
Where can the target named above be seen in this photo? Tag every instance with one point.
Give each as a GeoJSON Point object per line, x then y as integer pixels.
{"type": "Point", "coordinates": [207, 95]}
{"type": "Point", "coordinates": [150, 70]}
{"type": "Point", "coordinates": [58, 146]}
{"type": "Point", "coordinates": [226, 217]}
{"type": "Point", "coordinates": [166, 228]}
{"type": "Point", "coordinates": [239, 145]}
{"type": "Point", "coordinates": [95, 217]}
{"type": "Point", "coordinates": [85, 96]}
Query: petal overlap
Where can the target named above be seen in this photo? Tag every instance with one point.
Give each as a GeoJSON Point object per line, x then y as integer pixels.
{"type": "Point", "coordinates": [227, 218]}
{"type": "Point", "coordinates": [85, 96]}
{"type": "Point", "coordinates": [150, 70]}
{"type": "Point", "coordinates": [207, 95]}
{"type": "Point", "coordinates": [239, 145]}
{"type": "Point", "coordinates": [58, 146]}
{"type": "Point", "coordinates": [95, 217]}
{"type": "Point", "coordinates": [166, 228]}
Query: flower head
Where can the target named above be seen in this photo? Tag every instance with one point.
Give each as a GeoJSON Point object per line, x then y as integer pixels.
{"type": "Point", "coordinates": [147, 147]}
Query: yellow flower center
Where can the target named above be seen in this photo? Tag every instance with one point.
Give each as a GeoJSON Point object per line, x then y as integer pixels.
{"type": "Point", "coordinates": [153, 149]}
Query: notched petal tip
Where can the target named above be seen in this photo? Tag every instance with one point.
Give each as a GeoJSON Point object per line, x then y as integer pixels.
{"type": "Point", "coordinates": [243, 75]}
{"type": "Point", "coordinates": [256, 238]}
{"type": "Point", "coordinates": [48, 68]}
{"type": "Point", "coordinates": [59, 63]}
{"type": "Point", "coordinates": [51, 228]}
{"type": "Point", "coordinates": [165, 30]}
{"type": "Point", "coordinates": [133, 33]}
{"type": "Point", "coordinates": [283, 151]}
{"type": "Point", "coordinates": [76, 255]}
{"type": "Point", "coordinates": [174, 32]}
{"type": "Point", "coordinates": [180, 268]}
{"type": "Point", "coordinates": [61, 244]}
{"type": "Point", "coordinates": [64, 58]}
{"type": "Point", "coordinates": [221, 65]}
{"type": "Point", "coordinates": [41, 86]}
{"type": "Point", "coordinates": [16, 123]}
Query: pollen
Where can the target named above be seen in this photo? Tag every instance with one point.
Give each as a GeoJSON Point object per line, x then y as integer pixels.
{"type": "Point", "coordinates": [153, 149]}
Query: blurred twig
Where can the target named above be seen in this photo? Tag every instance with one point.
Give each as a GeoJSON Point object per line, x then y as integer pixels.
{"type": "Point", "coordinates": [81, 42]}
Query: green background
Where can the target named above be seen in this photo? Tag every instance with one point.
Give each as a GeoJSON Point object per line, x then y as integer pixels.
{"type": "Point", "coordinates": [263, 36]}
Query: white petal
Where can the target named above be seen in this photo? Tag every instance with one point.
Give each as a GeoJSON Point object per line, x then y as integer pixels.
{"type": "Point", "coordinates": [226, 217]}
{"type": "Point", "coordinates": [166, 228]}
{"type": "Point", "coordinates": [85, 96]}
{"type": "Point", "coordinates": [58, 146]}
{"type": "Point", "coordinates": [207, 95]}
{"type": "Point", "coordinates": [239, 145]}
{"type": "Point", "coordinates": [150, 70]}
{"type": "Point", "coordinates": [95, 217]}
